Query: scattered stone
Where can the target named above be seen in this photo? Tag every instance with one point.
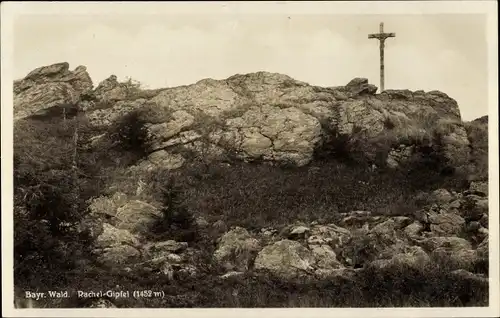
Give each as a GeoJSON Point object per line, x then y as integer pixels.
{"type": "Point", "coordinates": [446, 224]}
{"type": "Point", "coordinates": [100, 303]}
{"type": "Point", "coordinates": [268, 232]}
{"type": "Point", "coordinates": [188, 270]}
{"type": "Point", "coordinates": [169, 246]}
{"type": "Point", "coordinates": [482, 233]}
{"type": "Point", "coordinates": [137, 216]}
{"type": "Point", "coordinates": [479, 187]}
{"type": "Point", "coordinates": [356, 219]}
{"type": "Point", "coordinates": [474, 207]}
{"type": "Point", "coordinates": [201, 222]}
{"type": "Point", "coordinates": [118, 255]}
{"type": "Point", "coordinates": [236, 249]}
{"type": "Point", "coordinates": [441, 196]}
{"type": "Point", "coordinates": [299, 232]}
{"type": "Point", "coordinates": [160, 160]}
{"type": "Point", "coordinates": [108, 205]}
{"type": "Point", "coordinates": [414, 229]}
{"type": "Point", "coordinates": [325, 257]}
{"type": "Point", "coordinates": [111, 236]}
{"type": "Point", "coordinates": [414, 257]}
{"type": "Point", "coordinates": [286, 258]}
{"type": "Point", "coordinates": [330, 234]}
{"type": "Point", "coordinates": [232, 274]}
{"type": "Point", "coordinates": [455, 243]}
{"type": "Point", "coordinates": [463, 274]}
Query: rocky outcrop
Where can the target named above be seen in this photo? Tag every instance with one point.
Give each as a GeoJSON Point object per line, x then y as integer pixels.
{"type": "Point", "coordinates": [263, 116]}
{"type": "Point", "coordinates": [50, 86]}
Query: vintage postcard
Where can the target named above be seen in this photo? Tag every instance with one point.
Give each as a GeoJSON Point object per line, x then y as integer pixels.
{"type": "Point", "coordinates": [282, 159]}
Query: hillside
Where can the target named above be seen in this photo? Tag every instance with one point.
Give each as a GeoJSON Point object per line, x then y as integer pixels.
{"type": "Point", "coordinates": [268, 190]}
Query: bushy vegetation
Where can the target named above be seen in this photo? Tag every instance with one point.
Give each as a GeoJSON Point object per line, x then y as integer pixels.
{"type": "Point", "coordinates": [129, 133]}
{"type": "Point", "coordinates": [477, 132]}
{"type": "Point", "coordinates": [177, 222]}
{"type": "Point", "coordinates": [52, 181]}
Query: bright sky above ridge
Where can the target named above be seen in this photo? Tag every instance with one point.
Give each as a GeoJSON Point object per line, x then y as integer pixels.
{"type": "Point", "coordinates": [429, 52]}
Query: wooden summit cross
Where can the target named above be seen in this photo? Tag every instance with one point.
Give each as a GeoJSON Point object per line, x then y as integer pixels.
{"type": "Point", "coordinates": [381, 37]}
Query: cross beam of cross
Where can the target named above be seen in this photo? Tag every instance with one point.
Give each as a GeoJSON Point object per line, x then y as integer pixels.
{"type": "Point", "coordinates": [381, 36]}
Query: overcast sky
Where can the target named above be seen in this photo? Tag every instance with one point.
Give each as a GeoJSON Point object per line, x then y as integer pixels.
{"type": "Point", "coordinates": [429, 52]}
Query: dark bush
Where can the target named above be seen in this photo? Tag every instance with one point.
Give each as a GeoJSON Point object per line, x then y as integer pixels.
{"type": "Point", "coordinates": [477, 132]}
{"type": "Point", "coordinates": [130, 134]}
{"type": "Point", "coordinates": [177, 222]}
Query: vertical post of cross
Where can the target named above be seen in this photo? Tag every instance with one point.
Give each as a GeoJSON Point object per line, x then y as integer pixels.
{"type": "Point", "coordinates": [381, 36]}
{"type": "Point", "coordinates": [382, 67]}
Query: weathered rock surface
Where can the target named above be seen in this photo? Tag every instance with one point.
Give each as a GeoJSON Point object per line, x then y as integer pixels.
{"type": "Point", "coordinates": [112, 236]}
{"type": "Point", "coordinates": [444, 224]}
{"type": "Point", "coordinates": [236, 250]}
{"type": "Point", "coordinates": [330, 234]}
{"type": "Point", "coordinates": [286, 258]}
{"type": "Point", "coordinates": [326, 259]}
{"type": "Point", "coordinates": [118, 255]}
{"type": "Point", "coordinates": [412, 257]}
{"type": "Point", "coordinates": [49, 86]}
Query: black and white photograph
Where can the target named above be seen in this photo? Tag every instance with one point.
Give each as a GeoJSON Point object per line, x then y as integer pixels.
{"type": "Point", "coordinates": [316, 158]}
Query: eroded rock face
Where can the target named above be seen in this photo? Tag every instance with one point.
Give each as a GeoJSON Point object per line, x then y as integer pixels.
{"type": "Point", "coordinates": [272, 117]}
{"type": "Point", "coordinates": [49, 86]}
{"type": "Point", "coordinates": [274, 134]}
